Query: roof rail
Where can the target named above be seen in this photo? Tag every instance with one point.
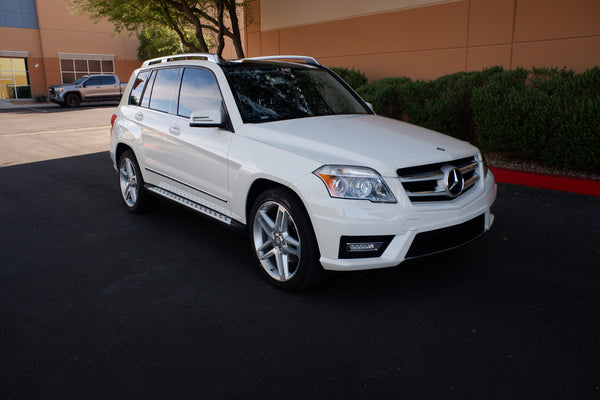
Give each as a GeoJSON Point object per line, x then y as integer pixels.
{"type": "Point", "coordinates": [308, 60]}
{"type": "Point", "coordinates": [188, 56]}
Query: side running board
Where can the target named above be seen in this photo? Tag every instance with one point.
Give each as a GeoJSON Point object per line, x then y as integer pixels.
{"type": "Point", "coordinates": [194, 206]}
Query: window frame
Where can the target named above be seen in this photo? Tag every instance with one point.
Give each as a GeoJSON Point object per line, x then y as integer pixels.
{"type": "Point", "coordinates": [74, 59]}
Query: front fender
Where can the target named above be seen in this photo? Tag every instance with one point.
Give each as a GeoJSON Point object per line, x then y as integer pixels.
{"type": "Point", "coordinates": [250, 161]}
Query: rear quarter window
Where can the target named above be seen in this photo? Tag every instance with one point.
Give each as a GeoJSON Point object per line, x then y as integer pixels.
{"type": "Point", "coordinates": [135, 97]}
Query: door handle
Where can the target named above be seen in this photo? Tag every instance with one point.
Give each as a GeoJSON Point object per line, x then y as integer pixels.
{"type": "Point", "coordinates": [174, 130]}
{"type": "Point", "coordinates": [139, 116]}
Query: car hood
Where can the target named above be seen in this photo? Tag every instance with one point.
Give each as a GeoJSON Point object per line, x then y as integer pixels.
{"type": "Point", "coordinates": [381, 143]}
{"type": "Point", "coordinates": [66, 85]}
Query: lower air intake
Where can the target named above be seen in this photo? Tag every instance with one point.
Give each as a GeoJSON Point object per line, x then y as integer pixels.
{"type": "Point", "coordinates": [438, 240]}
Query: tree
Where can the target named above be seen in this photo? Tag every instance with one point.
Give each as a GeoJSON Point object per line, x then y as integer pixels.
{"type": "Point", "coordinates": [216, 17]}
{"type": "Point", "coordinates": [163, 41]}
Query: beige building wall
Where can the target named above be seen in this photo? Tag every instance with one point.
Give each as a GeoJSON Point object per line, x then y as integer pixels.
{"type": "Point", "coordinates": [60, 31]}
{"type": "Point", "coordinates": [427, 38]}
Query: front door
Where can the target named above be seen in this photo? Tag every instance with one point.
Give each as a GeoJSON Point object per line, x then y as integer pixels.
{"type": "Point", "coordinates": [196, 158]}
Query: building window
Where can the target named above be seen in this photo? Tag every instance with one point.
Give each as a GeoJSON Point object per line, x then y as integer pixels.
{"type": "Point", "coordinates": [18, 14]}
{"type": "Point", "coordinates": [14, 78]}
{"type": "Point", "coordinates": [74, 66]}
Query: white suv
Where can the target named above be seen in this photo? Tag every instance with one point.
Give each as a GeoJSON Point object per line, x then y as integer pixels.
{"type": "Point", "coordinates": [282, 146]}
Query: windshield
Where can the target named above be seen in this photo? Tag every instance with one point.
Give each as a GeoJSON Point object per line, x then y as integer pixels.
{"type": "Point", "coordinates": [268, 92]}
{"type": "Point", "coordinates": [79, 80]}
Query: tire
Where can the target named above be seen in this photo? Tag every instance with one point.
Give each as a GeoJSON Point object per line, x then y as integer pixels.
{"type": "Point", "coordinates": [283, 241]}
{"type": "Point", "coordinates": [135, 198]}
{"type": "Point", "coordinates": [72, 100]}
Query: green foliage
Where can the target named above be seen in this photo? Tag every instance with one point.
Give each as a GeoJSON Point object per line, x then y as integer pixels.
{"type": "Point", "coordinates": [384, 96]}
{"type": "Point", "coordinates": [201, 17]}
{"type": "Point", "coordinates": [444, 104]}
{"type": "Point", "coordinates": [552, 116]}
{"type": "Point", "coordinates": [161, 41]}
{"type": "Point", "coordinates": [352, 77]}
{"type": "Point", "coordinates": [545, 114]}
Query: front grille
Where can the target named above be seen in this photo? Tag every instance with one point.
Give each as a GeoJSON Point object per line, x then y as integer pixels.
{"type": "Point", "coordinates": [430, 182]}
{"type": "Point", "coordinates": [51, 91]}
{"type": "Point", "coordinates": [432, 242]}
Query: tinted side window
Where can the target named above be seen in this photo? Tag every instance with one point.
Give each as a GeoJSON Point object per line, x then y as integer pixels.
{"type": "Point", "coordinates": [135, 97]}
{"type": "Point", "coordinates": [94, 80]}
{"type": "Point", "coordinates": [108, 80]}
{"type": "Point", "coordinates": [199, 91]}
{"type": "Point", "coordinates": [165, 90]}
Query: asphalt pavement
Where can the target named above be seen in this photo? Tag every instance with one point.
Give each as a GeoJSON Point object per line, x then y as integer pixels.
{"type": "Point", "coordinates": [97, 303]}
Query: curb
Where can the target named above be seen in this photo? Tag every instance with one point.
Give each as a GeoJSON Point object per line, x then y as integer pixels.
{"type": "Point", "coordinates": [565, 184]}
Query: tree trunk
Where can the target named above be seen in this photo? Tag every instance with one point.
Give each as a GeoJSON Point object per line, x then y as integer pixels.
{"type": "Point", "coordinates": [235, 27]}
{"type": "Point", "coordinates": [221, 27]}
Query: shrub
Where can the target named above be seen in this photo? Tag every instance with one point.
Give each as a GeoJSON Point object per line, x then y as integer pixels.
{"type": "Point", "coordinates": [545, 114]}
{"type": "Point", "coordinates": [353, 77]}
{"type": "Point", "coordinates": [444, 104]}
{"type": "Point", "coordinates": [549, 115]}
{"type": "Point", "coordinates": [384, 96]}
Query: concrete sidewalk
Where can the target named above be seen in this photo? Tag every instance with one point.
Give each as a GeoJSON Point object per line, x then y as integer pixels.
{"type": "Point", "coordinates": [29, 103]}
{"type": "Point", "coordinates": [16, 104]}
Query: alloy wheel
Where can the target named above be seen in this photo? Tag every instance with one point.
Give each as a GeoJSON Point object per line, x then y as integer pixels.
{"type": "Point", "coordinates": [276, 241]}
{"type": "Point", "coordinates": [129, 182]}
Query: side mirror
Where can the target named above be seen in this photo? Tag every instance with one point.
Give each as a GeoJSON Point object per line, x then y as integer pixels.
{"type": "Point", "coordinates": [207, 119]}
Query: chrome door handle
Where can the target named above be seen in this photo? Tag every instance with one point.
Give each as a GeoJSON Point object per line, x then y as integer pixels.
{"type": "Point", "coordinates": [139, 116]}
{"type": "Point", "coordinates": [174, 130]}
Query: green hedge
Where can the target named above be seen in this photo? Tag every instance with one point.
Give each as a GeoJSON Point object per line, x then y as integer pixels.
{"type": "Point", "coordinates": [548, 115]}
{"type": "Point", "coordinates": [552, 116]}
{"type": "Point", "coordinates": [352, 77]}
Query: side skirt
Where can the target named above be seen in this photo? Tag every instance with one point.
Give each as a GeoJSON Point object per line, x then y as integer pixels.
{"type": "Point", "coordinates": [195, 206]}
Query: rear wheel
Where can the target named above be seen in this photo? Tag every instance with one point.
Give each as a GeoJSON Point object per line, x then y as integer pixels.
{"type": "Point", "coordinates": [283, 241]}
{"type": "Point", "coordinates": [135, 197]}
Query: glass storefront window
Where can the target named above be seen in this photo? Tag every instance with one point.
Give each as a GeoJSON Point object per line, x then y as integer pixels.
{"type": "Point", "coordinates": [14, 79]}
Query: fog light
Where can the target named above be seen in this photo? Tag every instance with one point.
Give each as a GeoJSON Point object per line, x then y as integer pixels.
{"type": "Point", "coordinates": [363, 246]}
{"type": "Point", "coordinates": [368, 246]}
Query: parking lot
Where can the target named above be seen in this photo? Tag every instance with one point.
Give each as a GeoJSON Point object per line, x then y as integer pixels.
{"type": "Point", "coordinates": [97, 303]}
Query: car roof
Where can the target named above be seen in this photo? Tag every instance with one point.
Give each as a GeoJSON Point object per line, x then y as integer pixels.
{"type": "Point", "coordinates": [268, 60]}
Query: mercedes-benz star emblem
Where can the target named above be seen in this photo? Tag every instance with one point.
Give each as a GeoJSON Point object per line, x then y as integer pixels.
{"type": "Point", "coordinates": [453, 180]}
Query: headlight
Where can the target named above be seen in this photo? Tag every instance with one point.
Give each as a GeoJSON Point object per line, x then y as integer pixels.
{"type": "Point", "coordinates": [358, 183]}
{"type": "Point", "coordinates": [485, 165]}
{"type": "Point", "coordinates": [59, 89]}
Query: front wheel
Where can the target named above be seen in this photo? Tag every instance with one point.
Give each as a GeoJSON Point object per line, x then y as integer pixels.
{"type": "Point", "coordinates": [72, 100]}
{"type": "Point", "coordinates": [283, 240]}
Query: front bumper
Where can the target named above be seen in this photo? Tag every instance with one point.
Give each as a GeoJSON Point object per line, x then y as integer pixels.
{"type": "Point", "coordinates": [55, 96]}
{"type": "Point", "coordinates": [449, 224]}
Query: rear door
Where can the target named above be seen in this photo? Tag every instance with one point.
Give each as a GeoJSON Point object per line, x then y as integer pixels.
{"type": "Point", "coordinates": [147, 118]}
{"type": "Point", "coordinates": [111, 88]}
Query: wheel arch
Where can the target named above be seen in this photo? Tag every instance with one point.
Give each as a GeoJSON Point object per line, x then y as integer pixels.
{"type": "Point", "coordinates": [262, 185]}
{"type": "Point", "coordinates": [121, 148]}
{"type": "Point", "coordinates": [75, 92]}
